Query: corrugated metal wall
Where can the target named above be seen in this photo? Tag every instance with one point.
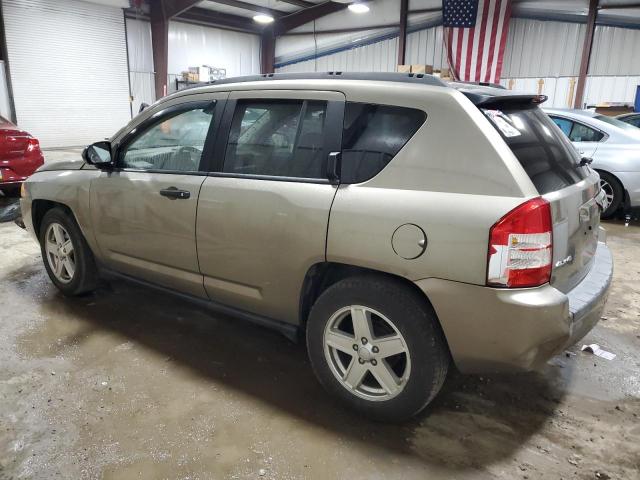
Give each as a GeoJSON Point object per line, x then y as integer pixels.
{"type": "Point", "coordinates": [377, 57]}
{"type": "Point", "coordinates": [616, 51]}
{"type": "Point", "coordinates": [426, 47]}
{"type": "Point", "coordinates": [194, 45]}
{"type": "Point", "coordinates": [68, 66]}
{"type": "Point", "coordinates": [141, 73]}
{"type": "Point", "coordinates": [537, 48]}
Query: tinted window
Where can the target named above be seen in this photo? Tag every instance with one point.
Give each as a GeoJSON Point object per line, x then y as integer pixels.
{"type": "Point", "coordinates": [176, 143]}
{"type": "Point", "coordinates": [373, 135]}
{"type": "Point", "coordinates": [635, 121]}
{"type": "Point", "coordinates": [582, 133]}
{"type": "Point", "coordinates": [541, 148]}
{"type": "Point", "coordinates": [277, 138]}
{"type": "Point", "coordinates": [564, 125]}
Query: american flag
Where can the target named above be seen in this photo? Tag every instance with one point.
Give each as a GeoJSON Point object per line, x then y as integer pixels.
{"type": "Point", "coordinates": [475, 32]}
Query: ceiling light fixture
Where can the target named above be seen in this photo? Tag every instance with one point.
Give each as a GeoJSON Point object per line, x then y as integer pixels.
{"type": "Point", "coordinates": [262, 18]}
{"type": "Point", "coordinates": [359, 7]}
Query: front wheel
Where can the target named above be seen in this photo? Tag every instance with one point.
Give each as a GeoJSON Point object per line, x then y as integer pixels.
{"type": "Point", "coordinates": [67, 257]}
{"type": "Point", "coordinates": [376, 345]}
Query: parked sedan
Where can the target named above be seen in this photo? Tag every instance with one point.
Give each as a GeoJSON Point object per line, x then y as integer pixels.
{"type": "Point", "coordinates": [630, 118]}
{"type": "Point", "coordinates": [20, 156]}
{"type": "Point", "coordinates": [614, 147]}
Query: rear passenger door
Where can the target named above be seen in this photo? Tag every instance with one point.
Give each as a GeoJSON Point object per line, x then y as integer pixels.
{"type": "Point", "coordinates": [263, 213]}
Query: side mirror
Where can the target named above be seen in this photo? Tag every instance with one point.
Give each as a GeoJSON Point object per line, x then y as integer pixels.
{"type": "Point", "coordinates": [99, 155]}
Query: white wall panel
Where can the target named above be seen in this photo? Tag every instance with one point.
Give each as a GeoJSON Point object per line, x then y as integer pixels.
{"type": "Point", "coordinates": [194, 45]}
{"type": "Point", "coordinates": [426, 47]}
{"type": "Point", "coordinates": [377, 57]}
{"type": "Point", "coordinates": [616, 51]}
{"type": "Point", "coordinates": [68, 63]}
{"type": "Point", "coordinates": [598, 89]}
{"type": "Point", "coordinates": [542, 48]}
{"type": "Point", "coordinates": [141, 71]}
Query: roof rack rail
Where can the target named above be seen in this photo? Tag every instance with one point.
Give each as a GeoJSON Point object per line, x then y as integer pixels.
{"type": "Point", "coordinates": [420, 78]}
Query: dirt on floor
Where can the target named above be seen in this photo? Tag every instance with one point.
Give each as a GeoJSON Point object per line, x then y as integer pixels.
{"type": "Point", "coordinates": [130, 383]}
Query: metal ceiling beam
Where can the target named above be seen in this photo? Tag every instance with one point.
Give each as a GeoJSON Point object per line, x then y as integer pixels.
{"type": "Point", "coordinates": [586, 52]}
{"type": "Point", "coordinates": [402, 35]}
{"type": "Point", "coordinates": [251, 7]}
{"type": "Point", "coordinates": [267, 51]}
{"type": "Point", "coordinates": [173, 8]}
{"type": "Point", "coordinates": [299, 3]}
{"type": "Point", "coordinates": [294, 20]}
{"type": "Point", "coordinates": [202, 16]}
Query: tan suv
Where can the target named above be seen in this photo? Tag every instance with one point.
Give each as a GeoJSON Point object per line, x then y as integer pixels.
{"type": "Point", "coordinates": [399, 223]}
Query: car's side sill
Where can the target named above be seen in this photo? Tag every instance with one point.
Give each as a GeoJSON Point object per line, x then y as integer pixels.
{"type": "Point", "coordinates": [288, 330]}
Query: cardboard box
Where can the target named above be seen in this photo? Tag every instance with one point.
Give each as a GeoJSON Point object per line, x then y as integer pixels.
{"type": "Point", "coordinates": [420, 68]}
{"type": "Point", "coordinates": [404, 68]}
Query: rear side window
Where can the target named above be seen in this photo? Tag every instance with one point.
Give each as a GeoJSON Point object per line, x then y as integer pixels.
{"type": "Point", "coordinates": [373, 135]}
{"type": "Point", "coordinates": [277, 138]}
{"type": "Point", "coordinates": [544, 152]}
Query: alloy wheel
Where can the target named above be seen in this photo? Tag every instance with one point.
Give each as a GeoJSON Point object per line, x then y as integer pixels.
{"type": "Point", "coordinates": [60, 252]}
{"type": "Point", "coordinates": [609, 194]}
{"type": "Point", "coordinates": [367, 353]}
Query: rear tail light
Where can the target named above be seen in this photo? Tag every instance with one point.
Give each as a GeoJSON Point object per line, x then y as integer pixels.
{"type": "Point", "coordinates": [521, 247]}
{"type": "Point", "coordinates": [33, 144]}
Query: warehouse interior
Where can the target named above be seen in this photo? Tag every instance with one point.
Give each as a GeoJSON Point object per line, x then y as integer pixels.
{"type": "Point", "coordinates": [129, 382]}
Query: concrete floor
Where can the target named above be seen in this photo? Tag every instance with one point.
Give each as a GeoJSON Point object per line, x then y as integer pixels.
{"type": "Point", "coordinates": [129, 383]}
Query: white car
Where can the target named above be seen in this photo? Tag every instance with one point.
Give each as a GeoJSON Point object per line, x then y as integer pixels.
{"type": "Point", "coordinates": [614, 147]}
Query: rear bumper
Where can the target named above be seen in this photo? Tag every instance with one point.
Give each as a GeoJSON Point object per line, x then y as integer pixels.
{"type": "Point", "coordinates": [491, 329]}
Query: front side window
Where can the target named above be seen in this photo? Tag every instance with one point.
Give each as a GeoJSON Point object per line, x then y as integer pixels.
{"type": "Point", "coordinates": [277, 138]}
{"type": "Point", "coordinates": [372, 135]}
{"type": "Point", "coordinates": [174, 144]}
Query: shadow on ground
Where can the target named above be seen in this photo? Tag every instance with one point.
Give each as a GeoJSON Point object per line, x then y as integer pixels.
{"type": "Point", "coordinates": [475, 421]}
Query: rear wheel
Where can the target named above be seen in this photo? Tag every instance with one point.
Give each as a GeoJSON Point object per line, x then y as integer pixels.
{"type": "Point", "coordinates": [67, 257]}
{"type": "Point", "coordinates": [614, 194]}
{"type": "Point", "coordinates": [376, 345]}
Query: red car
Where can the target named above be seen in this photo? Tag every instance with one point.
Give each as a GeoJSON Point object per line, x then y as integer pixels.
{"type": "Point", "coordinates": [20, 156]}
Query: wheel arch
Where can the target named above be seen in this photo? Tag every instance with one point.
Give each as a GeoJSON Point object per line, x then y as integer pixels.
{"type": "Point", "coordinates": [39, 207]}
{"type": "Point", "coordinates": [322, 275]}
{"type": "Point", "coordinates": [625, 193]}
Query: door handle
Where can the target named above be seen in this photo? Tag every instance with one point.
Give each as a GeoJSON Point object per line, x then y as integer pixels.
{"type": "Point", "coordinates": [173, 193]}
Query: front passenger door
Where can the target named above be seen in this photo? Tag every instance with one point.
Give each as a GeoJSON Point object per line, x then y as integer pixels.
{"type": "Point", "coordinates": [144, 210]}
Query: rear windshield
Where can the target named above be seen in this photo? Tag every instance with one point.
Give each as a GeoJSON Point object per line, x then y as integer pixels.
{"type": "Point", "coordinates": [544, 152]}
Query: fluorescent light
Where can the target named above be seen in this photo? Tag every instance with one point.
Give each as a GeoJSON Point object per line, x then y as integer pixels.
{"type": "Point", "coordinates": [262, 18]}
{"type": "Point", "coordinates": [359, 7]}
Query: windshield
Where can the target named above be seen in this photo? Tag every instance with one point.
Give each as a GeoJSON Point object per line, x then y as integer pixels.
{"type": "Point", "coordinates": [617, 123]}
{"type": "Point", "coordinates": [544, 152]}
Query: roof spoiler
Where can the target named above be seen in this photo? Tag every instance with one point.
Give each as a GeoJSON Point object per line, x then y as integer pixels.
{"type": "Point", "coordinates": [487, 96]}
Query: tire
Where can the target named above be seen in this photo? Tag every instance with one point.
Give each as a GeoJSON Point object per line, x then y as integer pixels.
{"type": "Point", "coordinates": [84, 275]}
{"type": "Point", "coordinates": [614, 191]}
{"type": "Point", "coordinates": [396, 313]}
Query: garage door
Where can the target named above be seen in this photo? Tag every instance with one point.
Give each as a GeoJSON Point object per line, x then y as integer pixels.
{"type": "Point", "coordinates": [68, 66]}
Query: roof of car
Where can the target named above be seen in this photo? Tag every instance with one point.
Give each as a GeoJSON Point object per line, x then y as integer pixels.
{"type": "Point", "coordinates": [479, 93]}
{"type": "Point", "coordinates": [572, 111]}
